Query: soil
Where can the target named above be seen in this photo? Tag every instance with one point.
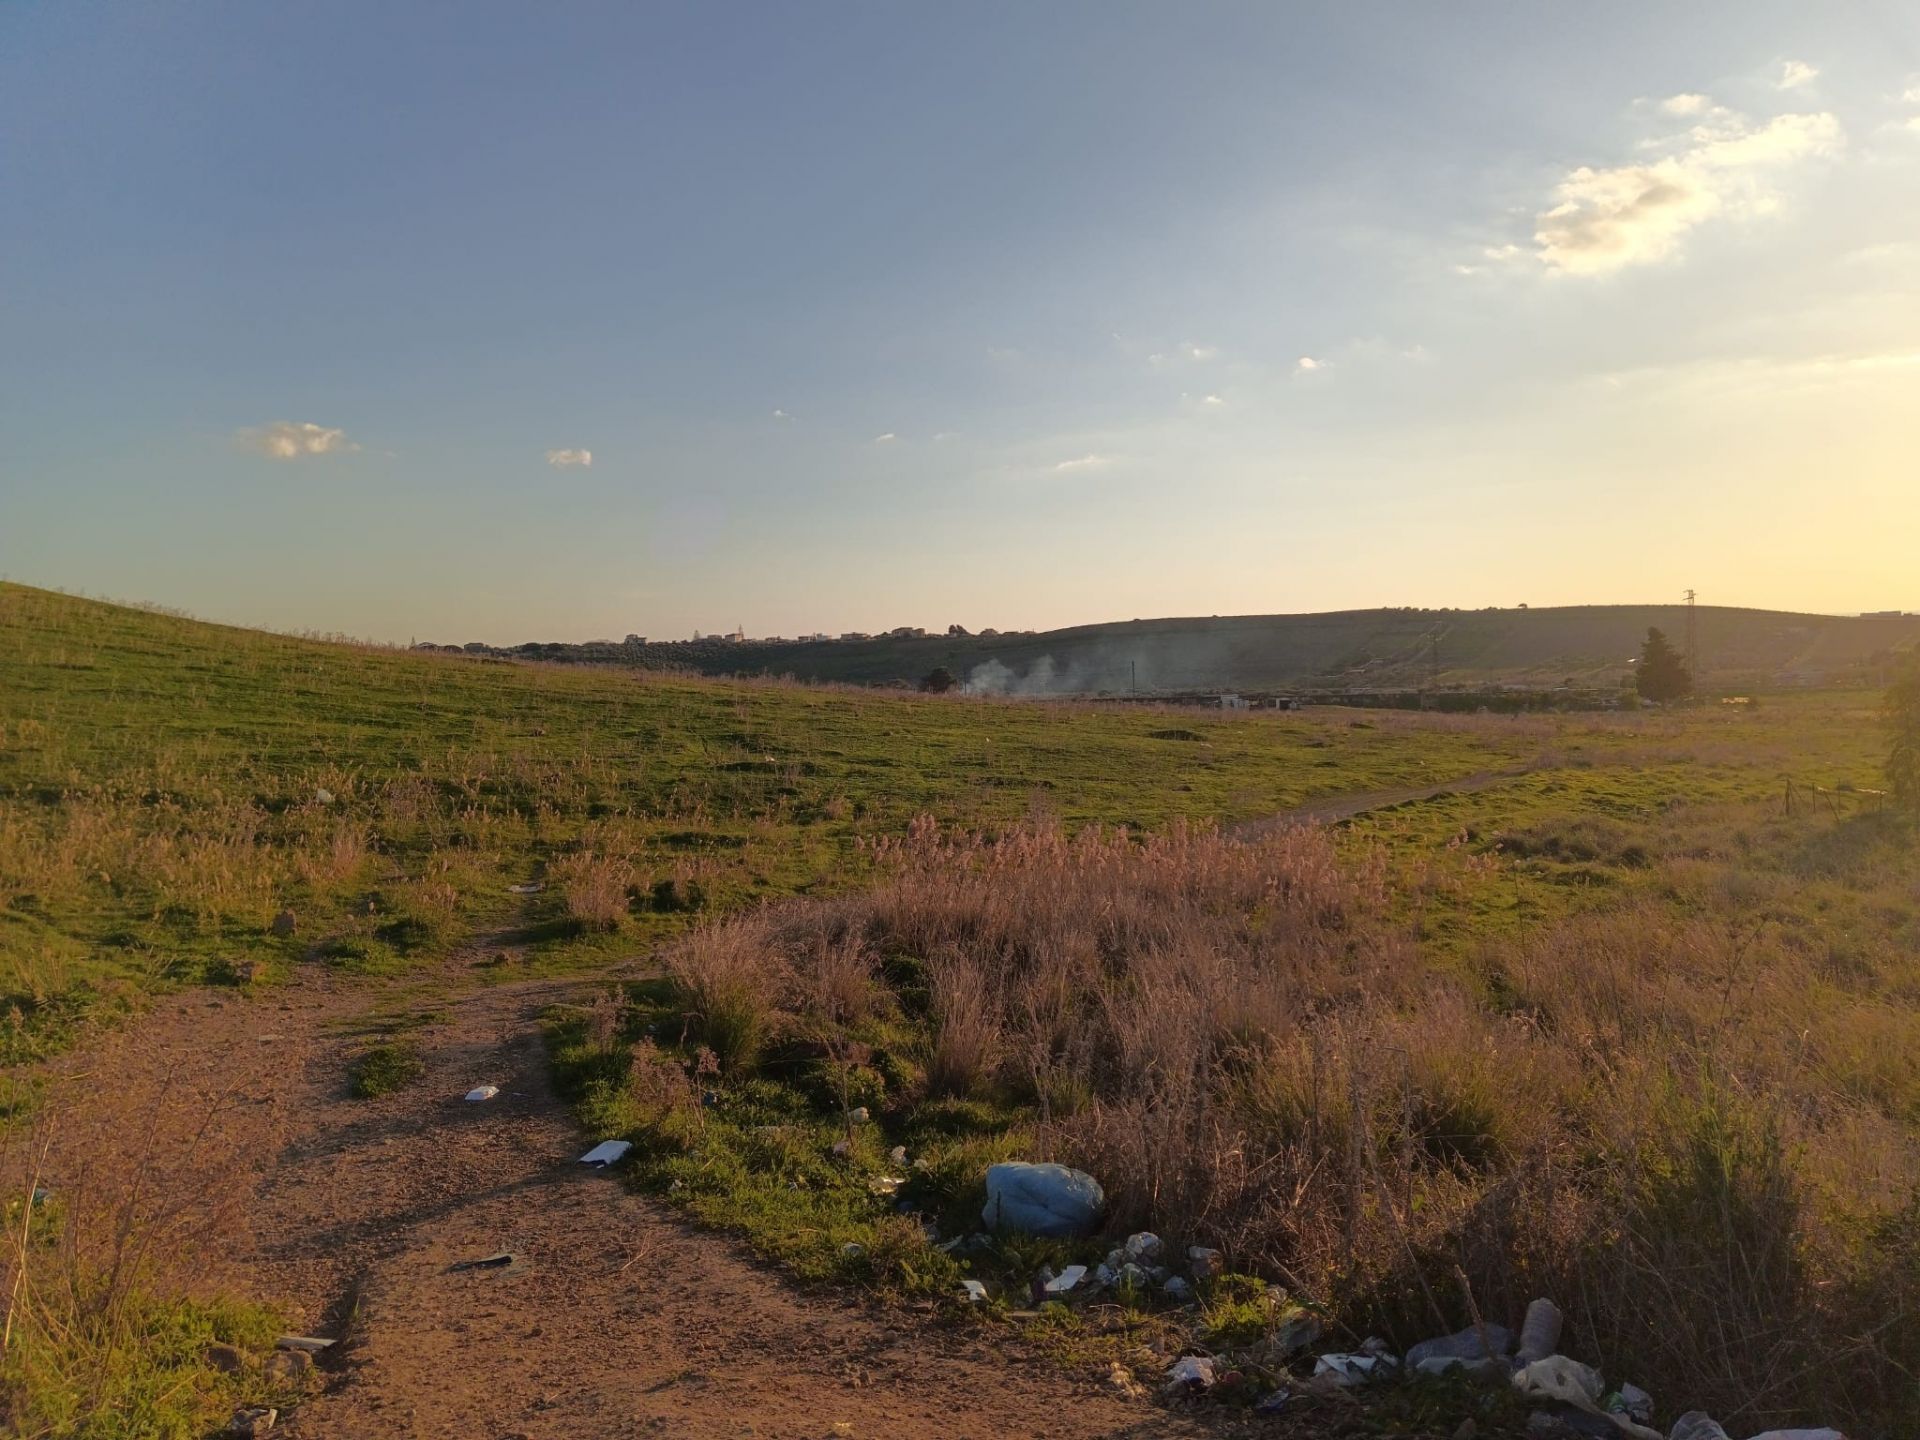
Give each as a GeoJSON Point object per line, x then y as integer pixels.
{"type": "Point", "coordinates": [616, 1319]}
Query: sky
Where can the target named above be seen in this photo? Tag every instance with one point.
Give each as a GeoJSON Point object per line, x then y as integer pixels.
{"type": "Point", "coordinates": [487, 320]}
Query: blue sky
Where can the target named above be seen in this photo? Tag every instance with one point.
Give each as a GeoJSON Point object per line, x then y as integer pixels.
{"type": "Point", "coordinates": [491, 320]}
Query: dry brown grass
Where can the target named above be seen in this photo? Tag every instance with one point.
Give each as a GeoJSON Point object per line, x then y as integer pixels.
{"type": "Point", "coordinates": [1670, 1116]}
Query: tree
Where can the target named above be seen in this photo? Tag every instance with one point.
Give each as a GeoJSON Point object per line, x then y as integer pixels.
{"type": "Point", "coordinates": [938, 682]}
{"type": "Point", "coordinates": [1662, 674]}
{"type": "Point", "coordinates": [1901, 713]}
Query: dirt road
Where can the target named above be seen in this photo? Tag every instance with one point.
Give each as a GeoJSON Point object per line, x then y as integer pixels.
{"type": "Point", "coordinates": [616, 1320]}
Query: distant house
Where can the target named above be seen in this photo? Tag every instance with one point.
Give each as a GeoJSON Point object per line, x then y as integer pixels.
{"type": "Point", "coordinates": [1233, 702]}
{"type": "Point", "coordinates": [856, 635]}
{"type": "Point", "coordinates": [636, 640]}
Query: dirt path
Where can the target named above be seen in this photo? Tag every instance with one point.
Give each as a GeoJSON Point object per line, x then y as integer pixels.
{"type": "Point", "coordinates": [618, 1320]}
{"type": "Point", "coordinates": [1332, 809]}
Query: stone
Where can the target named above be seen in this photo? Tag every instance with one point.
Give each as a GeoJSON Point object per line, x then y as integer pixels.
{"type": "Point", "coordinates": [254, 1420]}
{"type": "Point", "coordinates": [1143, 1247]}
{"type": "Point", "coordinates": [288, 1367]}
{"type": "Point", "coordinates": [285, 923]}
{"type": "Point", "coordinates": [1205, 1264]}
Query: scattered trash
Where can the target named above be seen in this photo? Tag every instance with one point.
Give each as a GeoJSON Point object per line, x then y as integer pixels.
{"type": "Point", "coordinates": [1495, 1367]}
{"type": "Point", "coordinates": [1273, 1402]}
{"type": "Point", "coordinates": [1047, 1200]}
{"type": "Point", "coordinates": [1122, 1379]}
{"type": "Point", "coordinates": [1697, 1425]}
{"type": "Point", "coordinates": [898, 1155]}
{"type": "Point", "coordinates": [1354, 1369]}
{"type": "Point", "coordinates": [1205, 1264]}
{"type": "Point", "coordinates": [858, 1115]}
{"type": "Point", "coordinates": [607, 1152]}
{"type": "Point", "coordinates": [532, 887]}
{"type": "Point", "coordinates": [1190, 1372]}
{"type": "Point", "coordinates": [499, 1260]}
{"type": "Point", "coordinates": [843, 1147]}
{"type": "Point", "coordinates": [1822, 1433]}
{"type": "Point", "coordinates": [974, 1292]}
{"type": "Point", "coordinates": [852, 1250]}
{"type": "Point", "coordinates": [1069, 1277]}
{"type": "Point", "coordinates": [1143, 1247]}
{"type": "Point", "coordinates": [483, 1092]}
{"type": "Point", "coordinates": [1580, 1386]}
{"type": "Point", "coordinates": [1178, 1289]}
{"type": "Point", "coordinates": [885, 1184]}
{"type": "Point", "coordinates": [1135, 1277]}
{"type": "Point", "coordinates": [255, 1419]}
{"type": "Point", "coordinates": [285, 923]}
{"type": "Point", "coordinates": [1632, 1402]}
{"type": "Point", "coordinates": [1463, 1345]}
{"type": "Point", "coordinates": [1540, 1332]}
{"type": "Point", "coordinates": [322, 795]}
{"type": "Point", "coordinates": [312, 1344]}
{"type": "Point", "coordinates": [1296, 1333]}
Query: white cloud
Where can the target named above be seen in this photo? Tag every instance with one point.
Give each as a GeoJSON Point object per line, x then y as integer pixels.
{"type": "Point", "coordinates": [1307, 363]}
{"type": "Point", "coordinates": [1610, 217]}
{"type": "Point", "coordinates": [781, 415]}
{"type": "Point", "coordinates": [1211, 400]}
{"type": "Point", "coordinates": [1912, 95]}
{"type": "Point", "coordinates": [1685, 104]}
{"type": "Point", "coordinates": [886, 439]}
{"type": "Point", "coordinates": [293, 440]}
{"type": "Point", "coordinates": [1084, 462]}
{"type": "Point", "coordinates": [940, 437]}
{"type": "Point", "coordinates": [561, 459]}
{"type": "Point", "coordinates": [1794, 74]}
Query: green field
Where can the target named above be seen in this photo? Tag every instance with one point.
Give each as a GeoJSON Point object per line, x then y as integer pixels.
{"type": "Point", "coordinates": [1626, 983]}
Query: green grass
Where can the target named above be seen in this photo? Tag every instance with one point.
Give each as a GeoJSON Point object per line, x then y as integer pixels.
{"type": "Point", "coordinates": [384, 1068]}
{"type": "Point", "coordinates": [167, 787]}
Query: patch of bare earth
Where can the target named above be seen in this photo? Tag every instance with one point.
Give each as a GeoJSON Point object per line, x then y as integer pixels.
{"type": "Point", "coordinates": [616, 1319]}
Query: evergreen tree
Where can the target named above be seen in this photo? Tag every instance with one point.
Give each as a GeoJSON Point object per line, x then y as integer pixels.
{"type": "Point", "coordinates": [1662, 674]}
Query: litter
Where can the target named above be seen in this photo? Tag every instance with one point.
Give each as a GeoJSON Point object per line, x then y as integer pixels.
{"type": "Point", "coordinates": [1495, 1367]}
{"type": "Point", "coordinates": [607, 1152]}
{"type": "Point", "coordinates": [898, 1155]}
{"type": "Point", "coordinates": [1697, 1425]}
{"type": "Point", "coordinates": [322, 795]}
{"type": "Point", "coordinates": [1047, 1200]}
{"type": "Point", "coordinates": [254, 1420]}
{"type": "Point", "coordinates": [852, 1250]}
{"type": "Point", "coordinates": [1571, 1383]}
{"type": "Point", "coordinates": [1632, 1402]}
{"type": "Point", "coordinates": [858, 1115]}
{"type": "Point", "coordinates": [1540, 1331]}
{"type": "Point", "coordinates": [974, 1291]}
{"type": "Point", "coordinates": [1069, 1277]}
{"type": "Point", "coordinates": [1190, 1372]}
{"type": "Point", "coordinates": [1273, 1403]}
{"type": "Point", "coordinates": [483, 1092]}
{"type": "Point", "coordinates": [1823, 1433]}
{"type": "Point", "coordinates": [501, 1260]}
{"type": "Point", "coordinates": [1143, 1247]}
{"type": "Point", "coordinates": [885, 1184]}
{"type": "Point", "coordinates": [1354, 1369]}
{"type": "Point", "coordinates": [1461, 1346]}
{"type": "Point", "coordinates": [532, 887]}
{"type": "Point", "coordinates": [311, 1344]}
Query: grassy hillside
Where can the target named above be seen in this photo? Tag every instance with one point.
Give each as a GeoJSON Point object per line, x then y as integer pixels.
{"type": "Point", "coordinates": [1622, 1025]}
{"type": "Point", "coordinates": [1348, 650]}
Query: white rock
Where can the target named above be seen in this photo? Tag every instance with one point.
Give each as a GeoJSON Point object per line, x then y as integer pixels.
{"type": "Point", "coordinates": [973, 1291]}
{"type": "Point", "coordinates": [1143, 1246]}
{"type": "Point", "coordinates": [483, 1092]}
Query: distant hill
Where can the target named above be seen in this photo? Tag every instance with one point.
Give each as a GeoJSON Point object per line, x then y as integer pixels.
{"type": "Point", "coordinates": [1338, 651]}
